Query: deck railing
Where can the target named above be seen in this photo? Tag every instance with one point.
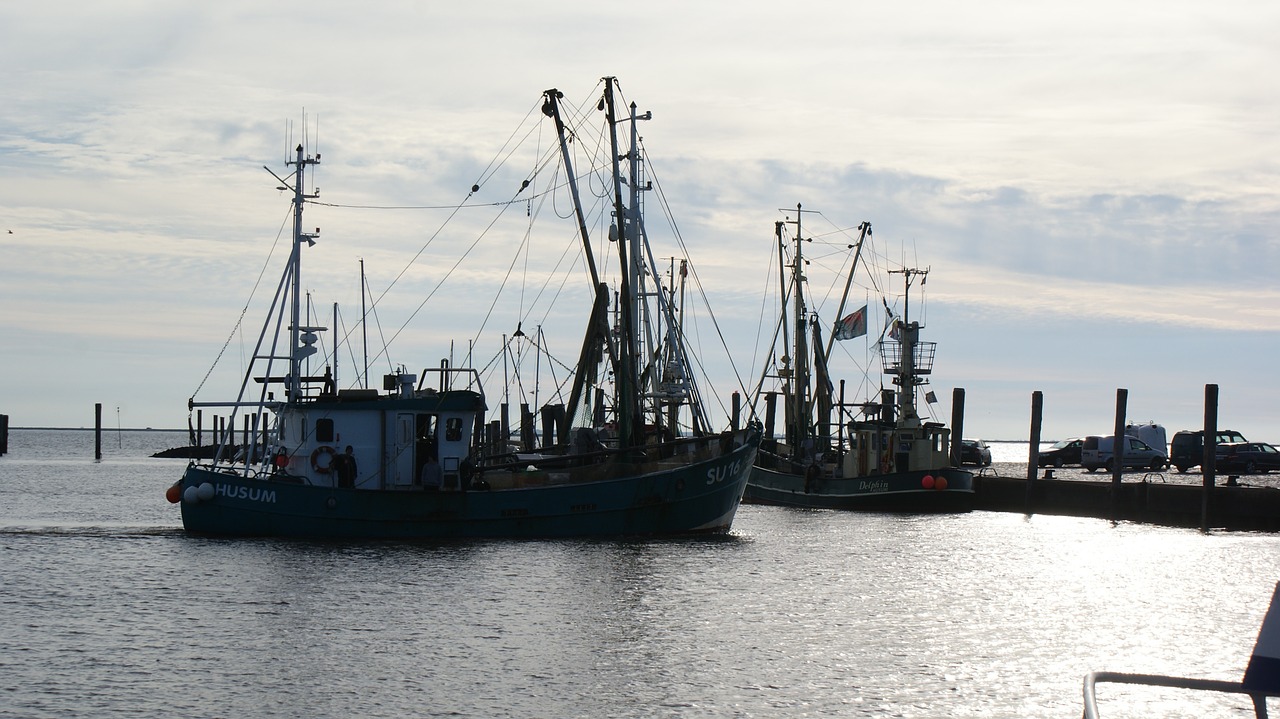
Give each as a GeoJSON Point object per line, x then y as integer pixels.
{"type": "Point", "coordinates": [1155, 680]}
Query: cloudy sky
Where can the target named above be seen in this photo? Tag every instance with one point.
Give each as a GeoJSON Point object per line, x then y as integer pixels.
{"type": "Point", "coordinates": [1093, 185]}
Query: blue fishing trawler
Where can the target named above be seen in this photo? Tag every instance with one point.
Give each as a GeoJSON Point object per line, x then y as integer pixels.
{"type": "Point", "coordinates": [631, 452]}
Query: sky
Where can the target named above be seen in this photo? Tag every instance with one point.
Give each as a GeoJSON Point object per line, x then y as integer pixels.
{"type": "Point", "coordinates": [1092, 185]}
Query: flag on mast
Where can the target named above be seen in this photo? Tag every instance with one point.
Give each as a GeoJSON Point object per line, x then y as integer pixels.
{"type": "Point", "coordinates": [855, 325]}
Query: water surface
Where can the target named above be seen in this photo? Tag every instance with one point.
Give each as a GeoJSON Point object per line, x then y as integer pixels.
{"type": "Point", "coordinates": [110, 610]}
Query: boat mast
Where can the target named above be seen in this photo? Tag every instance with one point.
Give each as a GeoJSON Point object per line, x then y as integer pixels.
{"type": "Point", "coordinates": [551, 108]}
{"type": "Point", "coordinates": [297, 333]}
{"type": "Point", "coordinates": [364, 325]}
{"type": "Point", "coordinates": [671, 382]}
{"type": "Point", "coordinates": [800, 353]}
{"type": "Point", "coordinates": [650, 371]}
{"type": "Point", "coordinates": [597, 329]}
{"type": "Point", "coordinates": [626, 382]}
{"type": "Point", "coordinates": [865, 229]}
{"type": "Point", "coordinates": [907, 377]}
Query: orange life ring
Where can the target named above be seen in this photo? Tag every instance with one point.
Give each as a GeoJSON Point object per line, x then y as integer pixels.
{"type": "Point", "coordinates": [323, 450]}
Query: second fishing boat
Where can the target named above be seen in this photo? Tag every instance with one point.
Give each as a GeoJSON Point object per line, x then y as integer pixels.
{"type": "Point", "coordinates": [877, 454]}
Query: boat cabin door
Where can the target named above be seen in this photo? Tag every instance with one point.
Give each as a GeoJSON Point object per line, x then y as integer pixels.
{"type": "Point", "coordinates": [402, 461]}
{"type": "Point", "coordinates": [429, 450]}
{"type": "Point", "coordinates": [454, 442]}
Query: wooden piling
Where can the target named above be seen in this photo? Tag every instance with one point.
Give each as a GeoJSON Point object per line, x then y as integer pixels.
{"type": "Point", "coordinates": [842, 424]}
{"type": "Point", "coordinates": [97, 431]}
{"type": "Point", "coordinates": [1037, 417]}
{"type": "Point", "coordinates": [548, 426]}
{"type": "Point", "coordinates": [528, 433]}
{"type": "Point", "coordinates": [1117, 449]}
{"type": "Point", "coordinates": [1209, 462]}
{"type": "Point", "coordinates": [496, 441]}
{"type": "Point", "coordinates": [770, 414]}
{"type": "Point", "coordinates": [4, 434]}
{"type": "Point", "coordinates": [561, 417]}
{"type": "Point", "coordinates": [957, 424]}
{"type": "Point", "coordinates": [1033, 452]}
{"type": "Point", "coordinates": [736, 417]}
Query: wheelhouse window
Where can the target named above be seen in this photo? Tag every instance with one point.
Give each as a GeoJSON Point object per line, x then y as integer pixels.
{"type": "Point", "coordinates": [324, 430]}
{"type": "Point", "coordinates": [453, 429]}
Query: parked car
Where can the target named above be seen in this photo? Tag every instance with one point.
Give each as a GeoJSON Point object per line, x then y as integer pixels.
{"type": "Point", "coordinates": [975, 451]}
{"type": "Point", "coordinates": [1065, 452]}
{"type": "Point", "coordinates": [1186, 450]}
{"type": "Point", "coordinates": [1247, 457]}
{"type": "Point", "coordinates": [1096, 453]}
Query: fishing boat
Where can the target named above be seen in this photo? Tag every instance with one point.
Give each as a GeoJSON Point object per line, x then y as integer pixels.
{"type": "Point", "coordinates": [630, 452]}
{"type": "Point", "coordinates": [878, 454]}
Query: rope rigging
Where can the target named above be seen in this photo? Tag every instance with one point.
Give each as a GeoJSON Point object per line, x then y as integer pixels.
{"type": "Point", "coordinates": [249, 301]}
{"type": "Point", "coordinates": [542, 281]}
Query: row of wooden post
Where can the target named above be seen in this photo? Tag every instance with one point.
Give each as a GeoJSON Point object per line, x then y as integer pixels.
{"type": "Point", "coordinates": [222, 430]}
{"type": "Point", "coordinates": [1207, 464]}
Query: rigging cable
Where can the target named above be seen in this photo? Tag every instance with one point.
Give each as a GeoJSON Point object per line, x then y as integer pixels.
{"type": "Point", "coordinates": [240, 320]}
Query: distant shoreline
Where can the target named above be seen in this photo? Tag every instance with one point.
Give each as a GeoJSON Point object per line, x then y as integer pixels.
{"type": "Point", "coordinates": [154, 429]}
{"type": "Point", "coordinates": [90, 429]}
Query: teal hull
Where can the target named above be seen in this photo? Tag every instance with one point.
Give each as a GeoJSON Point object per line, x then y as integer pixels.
{"type": "Point", "coordinates": [701, 497]}
{"type": "Point", "coordinates": [894, 492]}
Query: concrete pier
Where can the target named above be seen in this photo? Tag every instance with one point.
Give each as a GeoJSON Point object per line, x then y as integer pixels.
{"type": "Point", "coordinates": [1174, 505]}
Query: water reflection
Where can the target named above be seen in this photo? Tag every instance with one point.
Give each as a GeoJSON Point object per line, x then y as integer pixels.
{"type": "Point", "coordinates": [111, 609]}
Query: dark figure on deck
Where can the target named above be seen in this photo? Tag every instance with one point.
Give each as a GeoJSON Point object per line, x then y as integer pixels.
{"type": "Point", "coordinates": [344, 465]}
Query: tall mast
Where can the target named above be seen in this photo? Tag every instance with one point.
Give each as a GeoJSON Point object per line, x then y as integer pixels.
{"type": "Point", "coordinates": [865, 229]}
{"type": "Point", "coordinates": [800, 355]}
{"type": "Point", "coordinates": [299, 351]}
{"type": "Point", "coordinates": [364, 325]}
{"type": "Point", "coordinates": [626, 383]}
{"type": "Point", "coordinates": [908, 376]}
{"type": "Point", "coordinates": [551, 108]}
{"type": "Point", "coordinates": [598, 330]}
{"type": "Point", "coordinates": [786, 293]}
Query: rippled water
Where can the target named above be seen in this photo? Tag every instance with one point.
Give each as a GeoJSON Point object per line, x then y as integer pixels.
{"type": "Point", "coordinates": [110, 610]}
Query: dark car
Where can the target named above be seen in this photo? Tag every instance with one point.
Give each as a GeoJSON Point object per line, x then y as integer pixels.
{"type": "Point", "coordinates": [975, 451]}
{"type": "Point", "coordinates": [1186, 450]}
{"type": "Point", "coordinates": [1065, 452]}
{"type": "Point", "coordinates": [1247, 457]}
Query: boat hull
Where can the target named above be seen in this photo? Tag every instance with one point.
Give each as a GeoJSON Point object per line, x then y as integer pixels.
{"type": "Point", "coordinates": [699, 497]}
{"type": "Point", "coordinates": [912, 491]}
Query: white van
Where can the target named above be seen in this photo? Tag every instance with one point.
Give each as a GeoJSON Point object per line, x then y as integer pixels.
{"type": "Point", "coordinates": [1151, 433]}
{"type": "Point", "coordinates": [1096, 453]}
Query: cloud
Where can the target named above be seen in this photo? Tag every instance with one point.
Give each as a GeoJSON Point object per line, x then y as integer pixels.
{"type": "Point", "coordinates": [1083, 166]}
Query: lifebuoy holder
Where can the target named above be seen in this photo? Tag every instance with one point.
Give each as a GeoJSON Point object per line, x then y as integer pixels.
{"type": "Point", "coordinates": [322, 459]}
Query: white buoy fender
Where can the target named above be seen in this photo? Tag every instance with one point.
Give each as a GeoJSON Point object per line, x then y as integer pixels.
{"type": "Point", "coordinates": [205, 492]}
{"type": "Point", "coordinates": [191, 495]}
